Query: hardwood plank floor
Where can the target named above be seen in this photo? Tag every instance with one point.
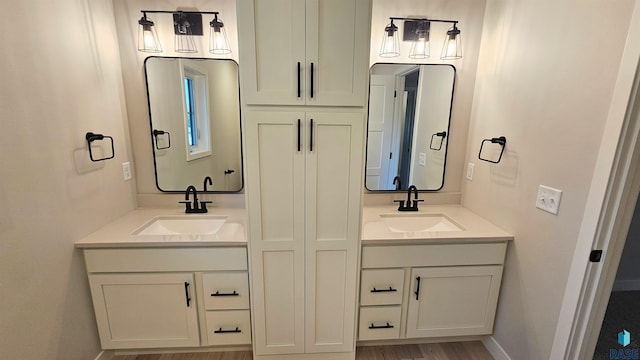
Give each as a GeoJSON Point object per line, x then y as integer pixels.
{"type": "Point", "coordinates": [469, 350]}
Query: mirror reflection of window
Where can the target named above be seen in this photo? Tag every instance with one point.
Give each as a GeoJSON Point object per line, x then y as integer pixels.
{"type": "Point", "coordinates": [196, 112]}
{"type": "Point", "coordinates": [409, 106]}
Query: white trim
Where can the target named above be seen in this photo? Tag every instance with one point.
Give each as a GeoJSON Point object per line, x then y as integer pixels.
{"type": "Point", "coordinates": [495, 349]}
{"type": "Point", "coordinates": [626, 285]}
{"type": "Point", "coordinates": [105, 355]}
{"type": "Point", "coordinates": [605, 202]}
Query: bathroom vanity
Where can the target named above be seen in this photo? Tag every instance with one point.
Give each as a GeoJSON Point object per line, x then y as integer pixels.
{"type": "Point", "coordinates": [428, 274]}
{"type": "Point", "coordinates": [161, 279]}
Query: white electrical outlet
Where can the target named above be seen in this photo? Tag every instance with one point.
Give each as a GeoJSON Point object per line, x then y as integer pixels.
{"type": "Point", "coordinates": [126, 171]}
{"type": "Point", "coordinates": [470, 168]}
{"type": "Point", "coordinates": [548, 199]}
{"type": "Point", "coordinates": [422, 158]}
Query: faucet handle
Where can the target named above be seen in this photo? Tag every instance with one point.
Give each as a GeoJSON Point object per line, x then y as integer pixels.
{"type": "Point", "coordinates": [416, 201]}
{"type": "Point", "coordinates": [401, 206]}
{"type": "Point", "coordinates": [203, 205]}
{"type": "Point", "coordinates": [187, 205]}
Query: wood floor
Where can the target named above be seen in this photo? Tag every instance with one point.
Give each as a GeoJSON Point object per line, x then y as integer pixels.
{"type": "Point", "coordinates": [473, 350]}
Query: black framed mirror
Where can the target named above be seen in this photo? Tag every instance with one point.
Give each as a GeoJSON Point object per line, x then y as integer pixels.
{"type": "Point", "coordinates": [408, 126]}
{"type": "Point", "coordinates": [194, 111]}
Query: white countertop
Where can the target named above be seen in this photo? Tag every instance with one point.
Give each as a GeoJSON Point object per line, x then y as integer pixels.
{"type": "Point", "coordinates": [475, 228]}
{"type": "Point", "coordinates": [118, 234]}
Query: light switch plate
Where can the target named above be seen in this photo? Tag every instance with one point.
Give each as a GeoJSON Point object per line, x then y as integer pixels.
{"type": "Point", "coordinates": [548, 199]}
{"type": "Point", "coordinates": [422, 158]}
{"type": "Point", "coordinates": [470, 168]}
{"type": "Point", "coordinates": [126, 171]}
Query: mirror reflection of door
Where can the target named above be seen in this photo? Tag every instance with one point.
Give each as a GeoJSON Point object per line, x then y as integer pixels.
{"type": "Point", "coordinates": [409, 104]}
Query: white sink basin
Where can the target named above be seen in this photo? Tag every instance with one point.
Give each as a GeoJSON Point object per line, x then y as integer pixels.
{"type": "Point", "coordinates": [182, 225]}
{"type": "Point", "coordinates": [405, 222]}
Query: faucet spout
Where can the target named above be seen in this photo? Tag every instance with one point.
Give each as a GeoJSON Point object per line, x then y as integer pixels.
{"type": "Point", "coordinates": [415, 192]}
{"type": "Point", "coordinates": [192, 189]}
{"type": "Point", "coordinates": [207, 180]}
{"type": "Point", "coordinates": [397, 183]}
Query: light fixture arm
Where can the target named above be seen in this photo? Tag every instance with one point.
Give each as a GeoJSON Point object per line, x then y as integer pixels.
{"type": "Point", "coordinates": [454, 22]}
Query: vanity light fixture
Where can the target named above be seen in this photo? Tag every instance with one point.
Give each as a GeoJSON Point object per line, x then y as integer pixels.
{"type": "Point", "coordinates": [218, 42]}
{"type": "Point", "coordinates": [186, 25]}
{"type": "Point", "coordinates": [183, 28]}
{"type": "Point", "coordinates": [417, 31]}
{"type": "Point", "coordinates": [147, 35]}
{"type": "Point", "coordinates": [390, 44]}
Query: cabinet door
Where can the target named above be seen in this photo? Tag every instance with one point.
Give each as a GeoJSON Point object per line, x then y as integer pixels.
{"type": "Point", "coordinates": [334, 169]}
{"type": "Point", "coordinates": [453, 301]}
{"type": "Point", "coordinates": [145, 310]}
{"type": "Point", "coordinates": [271, 45]}
{"type": "Point", "coordinates": [337, 44]}
{"type": "Point", "coordinates": [275, 199]}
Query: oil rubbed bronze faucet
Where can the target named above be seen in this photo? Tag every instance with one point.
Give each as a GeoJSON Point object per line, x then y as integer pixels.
{"type": "Point", "coordinates": [409, 206]}
{"type": "Point", "coordinates": [194, 207]}
{"type": "Point", "coordinates": [207, 180]}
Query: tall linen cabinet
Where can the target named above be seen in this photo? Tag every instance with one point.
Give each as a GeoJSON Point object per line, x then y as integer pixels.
{"type": "Point", "coordinates": [304, 74]}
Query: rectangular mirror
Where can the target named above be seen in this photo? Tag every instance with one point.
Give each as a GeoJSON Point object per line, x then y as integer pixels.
{"type": "Point", "coordinates": [194, 107]}
{"type": "Point", "coordinates": [408, 126]}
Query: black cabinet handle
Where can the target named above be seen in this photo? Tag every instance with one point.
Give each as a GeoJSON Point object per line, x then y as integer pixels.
{"type": "Point", "coordinates": [312, 80]}
{"type": "Point", "coordinates": [417, 288]}
{"type": "Point", "coordinates": [217, 293]}
{"type": "Point", "coordinates": [299, 125]}
{"type": "Point", "coordinates": [299, 89]}
{"type": "Point", "coordinates": [221, 331]}
{"type": "Point", "coordinates": [186, 293]}
{"type": "Point", "coordinates": [390, 289]}
{"type": "Point", "coordinates": [388, 326]}
{"type": "Point", "coordinates": [311, 136]}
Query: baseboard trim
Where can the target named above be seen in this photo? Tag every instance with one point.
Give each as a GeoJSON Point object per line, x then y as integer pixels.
{"type": "Point", "coordinates": [495, 349]}
{"type": "Point", "coordinates": [105, 355]}
{"type": "Point", "coordinates": [626, 285]}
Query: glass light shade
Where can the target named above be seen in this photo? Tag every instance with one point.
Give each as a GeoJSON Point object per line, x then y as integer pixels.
{"type": "Point", "coordinates": [185, 43]}
{"type": "Point", "coordinates": [218, 41]}
{"type": "Point", "coordinates": [452, 48]}
{"type": "Point", "coordinates": [148, 37]}
{"type": "Point", "coordinates": [390, 44]}
{"type": "Point", "coordinates": [420, 47]}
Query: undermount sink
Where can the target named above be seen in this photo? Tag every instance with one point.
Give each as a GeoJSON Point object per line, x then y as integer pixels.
{"type": "Point", "coordinates": [402, 222]}
{"type": "Point", "coordinates": [182, 225]}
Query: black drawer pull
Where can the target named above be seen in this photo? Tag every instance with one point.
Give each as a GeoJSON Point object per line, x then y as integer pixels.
{"type": "Point", "coordinates": [217, 293]}
{"type": "Point", "coordinates": [299, 125]}
{"type": "Point", "coordinates": [417, 288]}
{"type": "Point", "coordinates": [312, 80]}
{"type": "Point", "coordinates": [221, 331]}
{"type": "Point", "coordinates": [388, 326]}
{"type": "Point", "coordinates": [390, 289]}
{"type": "Point", "coordinates": [311, 135]}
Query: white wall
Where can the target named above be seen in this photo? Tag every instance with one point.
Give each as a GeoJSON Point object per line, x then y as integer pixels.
{"type": "Point", "coordinates": [545, 78]}
{"type": "Point", "coordinates": [470, 15]}
{"type": "Point", "coordinates": [127, 13]}
{"type": "Point", "coordinates": [60, 76]}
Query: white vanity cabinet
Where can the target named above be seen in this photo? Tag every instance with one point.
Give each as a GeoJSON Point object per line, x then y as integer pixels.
{"type": "Point", "coordinates": [304, 178]}
{"type": "Point", "coordinates": [169, 297]}
{"type": "Point", "coordinates": [297, 52]}
{"type": "Point", "coordinates": [441, 290]}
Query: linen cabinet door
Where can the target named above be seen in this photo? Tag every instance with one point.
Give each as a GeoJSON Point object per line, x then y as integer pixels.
{"type": "Point", "coordinates": [271, 45]}
{"type": "Point", "coordinates": [337, 52]}
{"type": "Point", "coordinates": [334, 182]}
{"type": "Point", "coordinates": [145, 310]}
{"type": "Point", "coordinates": [453, 301]}
{"type": "Point", "coordinates": [275, 199]}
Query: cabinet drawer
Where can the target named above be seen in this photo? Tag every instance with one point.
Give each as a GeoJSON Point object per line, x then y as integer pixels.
{"type": "Point", "coordinates": [228, 327]}
{"type": "Point", "coordinates": [379, 323]}
{"type": "Point", "coordinates": [226, 290]}
{"type": "Point", "coordinates": [381, 287]}
{"type": "Point", "coordinates": [165, 260]}
{"type": "Point", "coordinates": [433, 255]}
